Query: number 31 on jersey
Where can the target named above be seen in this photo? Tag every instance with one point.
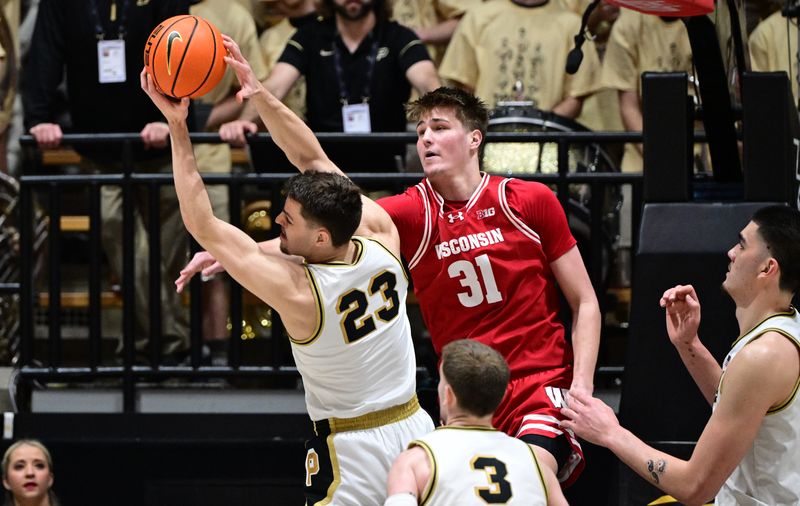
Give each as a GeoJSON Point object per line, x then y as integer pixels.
{"type": "Point", "coordinates": [479, 288]}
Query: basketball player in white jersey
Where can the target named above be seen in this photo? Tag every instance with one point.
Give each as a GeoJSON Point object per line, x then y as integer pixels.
{"type": "Point", "coordinates": [466, 461]}
{"type": "Point", "coordinates": [342, 299]}
{"type": "Point", "coordinates": [749, 452]}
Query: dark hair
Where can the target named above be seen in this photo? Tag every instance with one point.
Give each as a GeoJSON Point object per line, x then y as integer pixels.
{"type": "Point", "coordinates": [469, 109]}
{"type": "Point", "coordinates": [382, 8]}
{"type": "Point", "coordinates": [477, 374]}
{"type": "Point", "coordinates": [9, 500]}
{"type": "Point", "coordinates": [330, 200]}
{"type": "Point", "coordinates": [779, 227]}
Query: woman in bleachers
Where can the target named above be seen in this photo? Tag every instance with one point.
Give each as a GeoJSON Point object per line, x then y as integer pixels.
{"type": "Point", "coordinates": [28, 475]}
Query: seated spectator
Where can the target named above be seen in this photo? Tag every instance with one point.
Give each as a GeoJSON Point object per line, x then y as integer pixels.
{"type": "Point", "coordinates": [517, 50]}
{"type": "Point", "coordinates": [359, 70]}
{"type": "Point", "coordinates": [773, 48]}
{"type": "Point", "coordinates": [434, 21]}
{"type": "Point", "coordinates": [28, 475]}
{"type": "Point", "coordinates": [641, 43]}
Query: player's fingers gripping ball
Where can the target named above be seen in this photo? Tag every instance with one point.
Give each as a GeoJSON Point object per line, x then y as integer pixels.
{"type": "Point", "coordinates": [185, 56]}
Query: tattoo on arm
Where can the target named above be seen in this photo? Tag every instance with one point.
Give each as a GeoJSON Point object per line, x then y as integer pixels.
{"type": "Point", "coordinates": [656, 469]}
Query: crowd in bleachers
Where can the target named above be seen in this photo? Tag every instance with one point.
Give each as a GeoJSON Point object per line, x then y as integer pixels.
{"type": "Point", "coordinates": [502, 50]}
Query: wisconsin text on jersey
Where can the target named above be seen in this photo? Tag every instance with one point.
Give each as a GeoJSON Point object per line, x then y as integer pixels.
{"type": "Point", "coordinates": [468, 242]}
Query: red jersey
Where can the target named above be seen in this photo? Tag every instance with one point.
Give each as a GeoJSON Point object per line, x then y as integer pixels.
{"type": "Point", "coordinates": [481, 268]}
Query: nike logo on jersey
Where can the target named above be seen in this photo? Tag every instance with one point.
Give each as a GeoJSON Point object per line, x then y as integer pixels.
{"type": "Point", "coordinates": [484, 213]}
{"type": "Point", "coordinates": [325, 52]}
{"type": "Point", "coordinates": [382, 53]}
{"type": "Point", "coordinates": [452, 217]}
{"type": "Point", "coordinates": [468, 242]}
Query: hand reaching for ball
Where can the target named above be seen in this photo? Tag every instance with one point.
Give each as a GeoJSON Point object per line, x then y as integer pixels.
{"type": "Point", "coordinates": [173, 110]}
{"type": "Point", "coordinates": [247, 79]}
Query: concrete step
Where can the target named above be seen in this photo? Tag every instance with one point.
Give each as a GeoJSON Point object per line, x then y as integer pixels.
{"type": "Point", "coordinates": [170, 400]}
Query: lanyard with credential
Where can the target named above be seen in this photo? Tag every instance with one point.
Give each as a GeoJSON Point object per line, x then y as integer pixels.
{"type": "Point", "coordinates": [337, 64]}
{"type": "Point", "coordinates": [99, 30]}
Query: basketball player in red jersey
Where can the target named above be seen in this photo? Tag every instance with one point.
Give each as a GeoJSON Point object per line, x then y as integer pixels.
{"type": "Point", "coordinates": [486, 254]}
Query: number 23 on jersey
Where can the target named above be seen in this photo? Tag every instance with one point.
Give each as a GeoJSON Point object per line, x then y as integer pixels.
{"type": "Point", "coordinates": [356, 322]}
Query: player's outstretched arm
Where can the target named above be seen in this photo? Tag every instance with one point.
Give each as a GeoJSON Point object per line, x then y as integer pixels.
{"type": "Point", "coordinates": [682, 310]}
{"type": "Point", "coordinates": [761, 376]}
{"type": "Point", "coordinates": [279, 281]}
{"type": "Point", "coordinates": [288, 131]}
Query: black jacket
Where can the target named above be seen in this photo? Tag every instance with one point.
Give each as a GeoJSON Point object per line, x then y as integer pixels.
{"type": "Point", "coordinates": [65, 39]}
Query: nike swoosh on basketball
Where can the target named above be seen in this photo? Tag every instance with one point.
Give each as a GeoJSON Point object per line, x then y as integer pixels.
{"type": "Point", "coordinates": [170, 40]}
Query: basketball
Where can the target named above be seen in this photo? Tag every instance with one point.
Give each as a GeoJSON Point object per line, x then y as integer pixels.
{"type": "Point", "coordinates": [184, 55]}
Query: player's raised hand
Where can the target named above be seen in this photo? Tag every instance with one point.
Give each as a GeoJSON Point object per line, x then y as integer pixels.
{"type": "Point", "coordinates": [171, 109]}
{"type": "Point", "coordinates": [250, 85]}
{"type": "Point", "coordinates": [682, 314]}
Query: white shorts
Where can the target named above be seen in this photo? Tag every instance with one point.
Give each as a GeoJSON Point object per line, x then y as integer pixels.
{"type": "Point", "coordinates": [350, 468]}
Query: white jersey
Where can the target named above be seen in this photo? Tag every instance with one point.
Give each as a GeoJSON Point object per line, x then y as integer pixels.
{"type": "Point", "coordinates": [769, 473]}
{"type": "Point", "coordinates": [480, 465]}
{"type": "Point", "coordinates": [360, 359]}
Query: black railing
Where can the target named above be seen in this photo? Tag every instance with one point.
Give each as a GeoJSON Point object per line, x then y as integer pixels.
{"type": "Point", "coordinates": [49, 189]}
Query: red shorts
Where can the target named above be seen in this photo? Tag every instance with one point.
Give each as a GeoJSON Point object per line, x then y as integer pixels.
{"type": "Point", "coordinates": [532, 405]}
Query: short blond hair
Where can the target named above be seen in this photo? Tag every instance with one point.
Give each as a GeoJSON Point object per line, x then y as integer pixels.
{"type": "Point", "coordinates": [477, 374]}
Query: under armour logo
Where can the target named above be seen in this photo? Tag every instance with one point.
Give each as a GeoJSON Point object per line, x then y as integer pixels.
{"type": "Point", "coordinates": [452, 217]}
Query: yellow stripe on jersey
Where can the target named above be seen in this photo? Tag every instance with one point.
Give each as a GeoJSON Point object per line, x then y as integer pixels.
{"type": "Point", "coordinates": [337, 477]}
{"type": "Point", "coordinates": [399, 262]}
{"type": "Point", "coordinates": [433, 478]}
{"type": "Point", "coordinates": [787, 313]}
{"type": "Point", "coordinates": [539, 470]}
{"type": "Point", "coordinates": [320, 313]}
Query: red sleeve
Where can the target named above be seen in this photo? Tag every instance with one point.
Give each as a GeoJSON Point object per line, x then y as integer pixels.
{"type": "Point", "coordinates": [408, 214]}
{"type": "Point", "coordinates": [539, 208]}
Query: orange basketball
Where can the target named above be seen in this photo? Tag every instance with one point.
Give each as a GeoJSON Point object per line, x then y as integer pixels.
{"type": "Point", "coordinates": [184, 55]}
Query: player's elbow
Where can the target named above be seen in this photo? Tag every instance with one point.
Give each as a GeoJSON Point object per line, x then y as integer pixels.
{"type": "Point", "coordinates": [697, 491]}
{"type": "Point", "coordinates": [200, 227]}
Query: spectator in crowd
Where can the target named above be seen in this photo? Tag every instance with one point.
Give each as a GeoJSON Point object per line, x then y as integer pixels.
{"type": "Point", "coordinates": [641, 43]}
{"type": "Point", "coordinates": [773, 48]}
{"type": "Point", "coordinates": [359, 68]}
{"type": "Point", "coordinates": [517, 50]}
{"type": "Point", "coordinates": [28, 475]}
{"type": "Point", "coordinates": [466, 460]}
{"type": "Point", "coordinates": [211, 110]}
{"type": "Point", "coordinates": [9, 63]}
{"type": "Point", "coordinates": [296, 13]}
{"type": "Point", "coordinates": [434, 21]}
{"type": "Point", "coordinates": [99, 45]}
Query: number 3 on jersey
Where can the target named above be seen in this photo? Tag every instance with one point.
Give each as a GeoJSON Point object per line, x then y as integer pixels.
{"type": "Point", "coordinates": [353, 305]}
{"type": "Point", "coordinates": [499, 491]}
{"type": "Point", "coordinates": [466, 273]}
